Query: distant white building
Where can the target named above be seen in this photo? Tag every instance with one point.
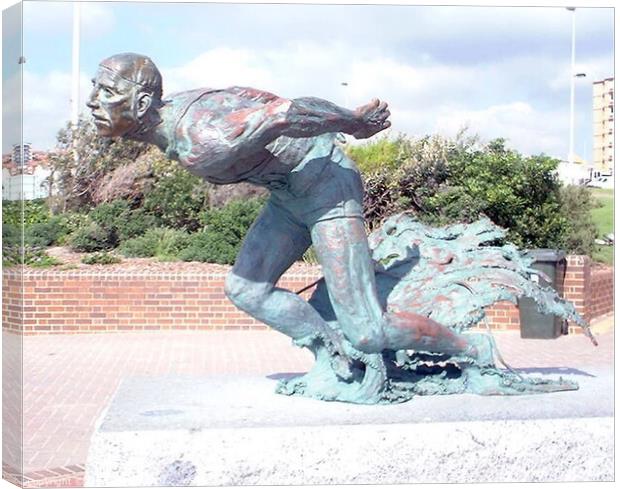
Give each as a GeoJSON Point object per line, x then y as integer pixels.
{"type": "Point", "coordinates": [575, 173]}
{"type": "Point", "coordinates": [25, 173]}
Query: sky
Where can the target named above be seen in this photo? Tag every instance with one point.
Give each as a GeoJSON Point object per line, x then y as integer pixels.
{"type": "Point", "coordinates": [499, 71]}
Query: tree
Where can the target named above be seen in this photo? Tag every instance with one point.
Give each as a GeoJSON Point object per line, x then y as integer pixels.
{"type": "Point", "coordinates": [78, 169]}
{"type": "Point", "coordinates": [444, 181]}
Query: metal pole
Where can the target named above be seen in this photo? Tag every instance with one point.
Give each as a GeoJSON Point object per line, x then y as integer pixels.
{"type": "Point", "coordinates": [75, 59]}
{"type": "Point", "coordinates": [571, 150]}
{"type": "Point", "coordinates": [75, 89]}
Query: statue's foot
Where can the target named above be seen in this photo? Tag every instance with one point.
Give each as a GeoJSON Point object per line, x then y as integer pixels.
{"type": "Point", "coordinates": [334, 343]}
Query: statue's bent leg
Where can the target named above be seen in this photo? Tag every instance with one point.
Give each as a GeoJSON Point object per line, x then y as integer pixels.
{"type": "Point", "coordinates": [342, 248]}
{"type": "Point", "coordinates": [274, 242]}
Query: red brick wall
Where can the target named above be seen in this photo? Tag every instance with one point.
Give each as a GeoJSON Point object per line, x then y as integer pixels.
{"type": "Point", "coordinates": [601, 292]}
{"type": "Point", "coordinates": [85, 301]}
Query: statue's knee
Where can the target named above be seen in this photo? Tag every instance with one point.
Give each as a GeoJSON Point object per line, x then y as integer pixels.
{"type": "Point", "coordinates": [234, 288]}
{"type": "Point", "coordinates": [244, 294]}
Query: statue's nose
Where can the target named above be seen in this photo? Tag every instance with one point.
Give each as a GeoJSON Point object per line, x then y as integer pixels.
{"type": "Point", "coordinates": [92, 103]}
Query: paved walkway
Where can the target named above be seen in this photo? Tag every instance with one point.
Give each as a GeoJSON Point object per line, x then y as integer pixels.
{"type": "Point", "coordinates": [69, 379]}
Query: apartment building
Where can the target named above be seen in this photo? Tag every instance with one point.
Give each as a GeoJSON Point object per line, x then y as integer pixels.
{"type": "Point", "coordinates": [603, 118]}
{"type": "Point", "coordinates": [25, 173]}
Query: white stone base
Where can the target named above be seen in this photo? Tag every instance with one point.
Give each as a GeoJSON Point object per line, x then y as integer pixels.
{"type": "Point", "coordinates": [180, 431]}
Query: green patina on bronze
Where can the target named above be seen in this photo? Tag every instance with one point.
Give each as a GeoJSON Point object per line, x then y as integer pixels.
{"type": "Point", "coordinates": [387, 320]}
{"type": "Point", "coordinates": [450, 275]}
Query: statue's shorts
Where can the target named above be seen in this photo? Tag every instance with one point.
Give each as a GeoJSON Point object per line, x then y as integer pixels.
{"type": "Point", "coordinates": [323, 188]}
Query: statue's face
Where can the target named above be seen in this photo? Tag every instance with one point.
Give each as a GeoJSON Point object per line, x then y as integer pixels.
{"type": "Point", "coordinates": [112, 103]}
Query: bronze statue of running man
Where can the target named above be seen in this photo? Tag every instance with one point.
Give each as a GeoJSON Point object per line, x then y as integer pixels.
{"type": "Point", "coordinates": [242, 134]}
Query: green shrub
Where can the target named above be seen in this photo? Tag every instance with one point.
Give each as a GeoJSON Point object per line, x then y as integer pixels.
{"type": "Point", "coordinates": [135, 223]}
{"type": "Point", "coordinates": [110, 216]}
{"type": "Point", "coordinates": [381, 154]}
{"type": "Point", "coordinates": [223, 234]}
{"type": "Point", "coordinates": [577, 206]}
{"type": "Point", "coordinates": [234, 219]}
{"type": "Point", "coordinates": [35, 211]}
{"type": "Point", "coordinates": [110, 213]}
{"type": "Point", "coordinates": [29, 255]}
{"type": "Point", "coordinates": [163, 243]}
{"type": "Point", "coordinates": [100, 258]}
{"type": "Point", "coordinates": [73, 221]}
{"type": "Point", "coordinates": [46, 233]}
{"type": "Point", "coordinates": [445, 182]}
{"type": "Point", "coordinates": [92, 237]}
{"type": "Point", "coordinates": [177, 198]}
{"type": "Point", "coordinates": [11, 235]}
{"type": "Point", "coordinates": [211, 248]}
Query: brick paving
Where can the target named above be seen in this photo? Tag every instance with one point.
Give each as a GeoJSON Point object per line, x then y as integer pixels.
{"type": "Point", "coordinates": [69, 379]}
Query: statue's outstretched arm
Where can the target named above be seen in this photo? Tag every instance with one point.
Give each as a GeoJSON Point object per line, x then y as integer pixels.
{"type": "Point", "coordinates": [301, 118]}
{"type": "Point", "coordinates": [246, 132]}
{"type": "Point", "coordinates": [311, 116]}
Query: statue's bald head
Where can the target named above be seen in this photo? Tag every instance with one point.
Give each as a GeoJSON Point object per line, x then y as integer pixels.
{"type": "Point", "coordinates": [137, 69]}
{"type": "Point", "coordinates": [126, 96]}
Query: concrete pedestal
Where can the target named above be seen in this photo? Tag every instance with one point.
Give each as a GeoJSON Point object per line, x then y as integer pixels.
{"type": "Point", "coordinates": [236, 431]}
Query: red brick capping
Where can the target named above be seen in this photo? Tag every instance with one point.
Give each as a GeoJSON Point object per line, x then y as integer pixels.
{"type": "Point", "coordinates": [92, 301]}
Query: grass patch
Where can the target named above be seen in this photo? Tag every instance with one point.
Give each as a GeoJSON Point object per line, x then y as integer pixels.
{"type": "Point", "coordinates": [603, 217]}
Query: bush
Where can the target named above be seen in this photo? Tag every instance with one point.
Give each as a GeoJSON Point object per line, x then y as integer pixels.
{"type": "Point", "coordinates": [517, 193]}
{"type": "Point", "coordinates": [163, 243]}
{"type": "Point", "coordinates": [73, 221]}
{"type": "Point", "coordinates": [177, 198]}
{"type": "Point", "coordinates": [110, 217]}
{"type": "Point", "coordinates": [577, 205]}
{"type": "Point", "coordinates": [92, 237]}
{"type": "Point", "coordinates": [135, 223]}
{"type": "Point", "coordinates": [29, 255]}
{"type": "Point", "coordinates": [211, 248]}
{"type": "Point", "coordinates": [121, 221]}
{"type": "Point", "coordinates": [382, 154]}
{"type": "Point", "coordinates": [11, 235]}
{"type": "Point", "coordinates": [46, 233]}
{"type": "Point", "coordinates": [224, 231]}
{"type": "Point", "coordinates": [35, 211]}
{"type": "Point", "coordinates": [101, 258]}
{"type": "Point", "coordinates": [445, 182]}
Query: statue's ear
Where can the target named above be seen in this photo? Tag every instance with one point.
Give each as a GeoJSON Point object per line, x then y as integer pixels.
{"type": "Point", "coordinates": [144, 101]}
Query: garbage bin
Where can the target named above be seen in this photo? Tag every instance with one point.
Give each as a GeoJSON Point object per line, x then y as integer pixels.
{"type": "Point", "coordinates": [552, 263]}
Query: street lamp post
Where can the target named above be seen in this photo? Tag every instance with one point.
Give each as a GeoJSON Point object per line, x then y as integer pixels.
{"type": "Point", "coordinates": [75, 78]}
{"type": "Point", "coordinates": [571, 144]}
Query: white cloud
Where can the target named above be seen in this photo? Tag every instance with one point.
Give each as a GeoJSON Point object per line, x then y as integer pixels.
{"type": "Point", "coordinates": [220, 67]}
{"type": "Point", "coordinates": [527, 129]}
{"type": "Point", "coordinates": [47, 105]}
{"type": "Point", "coordinates": [96, 19]}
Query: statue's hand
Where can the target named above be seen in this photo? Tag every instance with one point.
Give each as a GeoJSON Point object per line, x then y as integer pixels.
{"type": "Point", "coordinates": [372, 118]}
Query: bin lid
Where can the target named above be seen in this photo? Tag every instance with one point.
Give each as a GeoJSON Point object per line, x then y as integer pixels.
{"type": "Point", "coordinates": [546, 255]}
